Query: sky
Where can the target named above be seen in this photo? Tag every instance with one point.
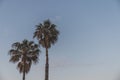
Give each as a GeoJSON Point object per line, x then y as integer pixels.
{"type": "Point", "coordinates": [88, 47]}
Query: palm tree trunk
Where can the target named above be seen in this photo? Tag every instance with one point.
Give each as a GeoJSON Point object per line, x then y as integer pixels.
{"type": "Point", "coordinates": [47, 66]}
{"type": "Point", "coordinates": [24, 72]}
{"type": "Point", "coordinates": [23, 75]}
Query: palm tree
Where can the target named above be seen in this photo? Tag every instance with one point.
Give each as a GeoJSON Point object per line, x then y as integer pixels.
{"type": "Point", "coordinates": [46, 34]}
{"type": "Point", "coordinates": [24, 54]}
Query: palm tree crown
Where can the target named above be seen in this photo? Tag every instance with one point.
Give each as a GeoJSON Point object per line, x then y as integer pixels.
{"type": "Point", "coordinates": [25, 54]}
{"type": "Point", "coordinates": [46, 34]}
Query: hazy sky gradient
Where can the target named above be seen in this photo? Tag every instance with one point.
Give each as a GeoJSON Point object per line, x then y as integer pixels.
{"type": "Point", "coordinates": [89, 43]}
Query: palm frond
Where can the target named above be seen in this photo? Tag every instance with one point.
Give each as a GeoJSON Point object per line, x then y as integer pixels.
{"type": "Point", "coordinates": [15, 58]}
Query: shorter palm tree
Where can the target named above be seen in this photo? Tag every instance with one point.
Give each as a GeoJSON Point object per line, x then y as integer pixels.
{"type": "Point", "coordinates": [24, 53]}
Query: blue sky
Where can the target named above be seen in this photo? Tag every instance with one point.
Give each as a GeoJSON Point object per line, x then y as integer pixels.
{"type": "Point", "coordinates": [89, 43]}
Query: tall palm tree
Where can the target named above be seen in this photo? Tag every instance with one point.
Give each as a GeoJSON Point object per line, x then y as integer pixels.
{"type": "Point", "coordinates": [46, 34]}
{"type": "Point", "coordinates": [24, 53]}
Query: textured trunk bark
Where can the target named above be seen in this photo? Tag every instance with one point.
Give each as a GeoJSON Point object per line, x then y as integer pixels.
{"type": "Point", "coordinates": [23, 76]}
{"type": "Point", "coordinates": [24, 72]}
{"type": "Point", "coordinates": [47, 66]}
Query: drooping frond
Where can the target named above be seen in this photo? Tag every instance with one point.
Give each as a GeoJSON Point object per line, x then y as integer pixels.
{"type": "Point", "coordinates": [15, 58]}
